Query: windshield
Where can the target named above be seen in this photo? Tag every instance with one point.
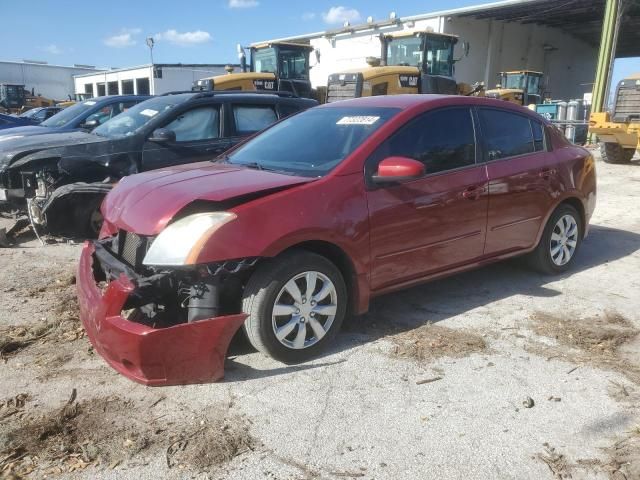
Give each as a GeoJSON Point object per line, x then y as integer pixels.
{"type": "Point", "coordinates": [63, 117]}
{"type": "Point", "coordinates": [293, 63]}
{"type": "Point", "coordinates": [410, 52]}
{"type": "Point", "coordinates": [515, 80]}
{"type": "Point", "coordinates": [405, 51]}
{"type": "Point", "coordinates": [264, 60]}
{"type": "Point", "coordinates": [30, 113]}
{"type": "Point", "coordinates": [311, 143]}
{"type": "Point", "coordinates": [129, 122]}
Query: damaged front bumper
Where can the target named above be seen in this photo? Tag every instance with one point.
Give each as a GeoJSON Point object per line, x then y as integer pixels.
{"type": "Point", "coordinates": [179, 354]}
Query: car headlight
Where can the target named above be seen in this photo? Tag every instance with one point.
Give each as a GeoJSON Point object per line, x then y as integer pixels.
{"type": "Point", "coordinates": [180, 242]}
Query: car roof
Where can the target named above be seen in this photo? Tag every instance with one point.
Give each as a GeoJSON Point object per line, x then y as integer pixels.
{"type": "Point", "coordinates": [236, 95]}
{"type": "Point", "coordinates": [112, 98]}
{"type": "Point", "coordinates": [405, 102]}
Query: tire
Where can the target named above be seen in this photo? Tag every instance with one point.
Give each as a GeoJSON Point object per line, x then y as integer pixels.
{"type": "Point", "coordinates": [271, 284]}
{"type": "Point", "coordinates": [546, 258]}
{"type": "Point", "coordinates": [614, 153]}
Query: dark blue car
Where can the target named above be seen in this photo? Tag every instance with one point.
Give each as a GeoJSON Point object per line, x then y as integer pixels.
{"type": "Point", "coordinates": [9, 121]}
{"type": "Point", "coordinates": [85, 115]}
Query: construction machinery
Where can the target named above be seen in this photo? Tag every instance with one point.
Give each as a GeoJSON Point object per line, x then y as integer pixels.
{"type": "Point", "coordinates": [77, 98]}
{"type": "Point", "coordinates": [522, 87]}
{"type": "Point", "coordinates": [12, 97]}
{"type": "Point", "coordinates": [410, 62]}
{"type": "Point", "coordinates": [618, 131]}
{"type": "Point", "coordinates": [277, 66]}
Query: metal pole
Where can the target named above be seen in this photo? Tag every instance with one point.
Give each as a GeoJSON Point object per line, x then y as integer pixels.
{"type": "Point", "coordinates": [606, 55]}
{"type": "Point", "coordinates": [616, 31]}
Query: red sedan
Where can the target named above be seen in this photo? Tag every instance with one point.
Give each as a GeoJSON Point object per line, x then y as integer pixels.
{"type": "Point", "coordinates": [306, 222]}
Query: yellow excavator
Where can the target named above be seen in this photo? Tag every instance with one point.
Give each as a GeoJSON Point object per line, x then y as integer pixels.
{"type": "Point", "coordinates": [619, 131]}
{"type": "Point", "coordinates": [522, 87]}
{"type": "Point", "coordinates": [411, 62]}
{"type": "Point", "coordinates": [276, 66]}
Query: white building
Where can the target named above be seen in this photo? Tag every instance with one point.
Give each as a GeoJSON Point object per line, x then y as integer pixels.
{"type": "Point", "coordinates": [145, 79]}
{"type": "Point", "coordinates": [50, 81]}
{"type": "Point", "coordinates": [505, 35]}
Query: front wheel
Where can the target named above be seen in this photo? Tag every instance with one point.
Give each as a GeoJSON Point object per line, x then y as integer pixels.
{"type": "Point", "coordinates": [295, 304]}
{"type": "Point", "coordinates": [559, 243]}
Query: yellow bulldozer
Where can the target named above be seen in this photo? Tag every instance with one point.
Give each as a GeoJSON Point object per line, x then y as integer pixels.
{"type": "Point", "coordinates": [410, 62]}
{"type": "Point", "coordinates": [618, 131]}
{"type": "Point", "coordinates": [522, 87]}
{"type": "Point", "coordinates": [277, 66]}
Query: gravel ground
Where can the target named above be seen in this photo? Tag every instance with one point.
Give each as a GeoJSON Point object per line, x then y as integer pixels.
{"type": "Point", "coordinates": [499, 394]}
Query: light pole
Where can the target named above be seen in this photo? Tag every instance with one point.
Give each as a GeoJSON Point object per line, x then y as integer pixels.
{"type": "Point", "coordinates": [150, 44]}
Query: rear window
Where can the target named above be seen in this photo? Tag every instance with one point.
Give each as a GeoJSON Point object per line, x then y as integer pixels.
{"type": "Point", "coordinates": [253, 118]}
{"type": "Point", "coordinates": [506, 134]}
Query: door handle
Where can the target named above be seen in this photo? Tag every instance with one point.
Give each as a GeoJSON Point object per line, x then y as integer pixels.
{"type": "Point", "coordinates": [547, 173]}
{"type": "Point", "coordinates": [472, 193]}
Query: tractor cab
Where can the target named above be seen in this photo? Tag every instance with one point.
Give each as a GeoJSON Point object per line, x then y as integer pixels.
{"type": "Point", "coordinates": [410, 62]}
{"type": "Point", "coordinates": [12, 96]}
{"type": "Point", "coordinates": [277, 66]}
{"type": "Point", "coordinates": [522, 87]}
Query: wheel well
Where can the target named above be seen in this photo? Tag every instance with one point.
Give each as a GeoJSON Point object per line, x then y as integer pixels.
{"type": "Point", "coordinates": [577, 204]}
{"type": "Point", "coordinates": [340, 259]}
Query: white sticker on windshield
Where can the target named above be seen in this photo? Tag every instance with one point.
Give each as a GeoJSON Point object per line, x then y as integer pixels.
{"type": "Point", "coordinates": [358, 120]}
{"type": "Point", "coordinates": [89, 103]}
{"type": "Point", "coordinates": [149, 112]}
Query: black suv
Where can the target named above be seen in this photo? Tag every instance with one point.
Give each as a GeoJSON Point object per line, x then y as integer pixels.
{"type": "Point", "coordinates": [60, 183]}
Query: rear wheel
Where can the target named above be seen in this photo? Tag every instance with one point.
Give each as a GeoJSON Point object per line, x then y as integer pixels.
{"type": "Point", "coordinates": [614, 153]}
{"type": "Point", "coordinates": [295, 304]}
{"type": "Point", "coordinates": [559, 243]}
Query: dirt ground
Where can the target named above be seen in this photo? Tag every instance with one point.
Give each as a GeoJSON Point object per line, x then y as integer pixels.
{"type": "Point", "coordinates": [497, 373]}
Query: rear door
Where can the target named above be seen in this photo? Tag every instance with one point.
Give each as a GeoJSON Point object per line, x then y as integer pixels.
{"type": "Point", "coordinates": [437, 222]}
{"type": "Point", "coordinates": [199, 136]}
{"type": "Point", "coordinates": [520, 177]}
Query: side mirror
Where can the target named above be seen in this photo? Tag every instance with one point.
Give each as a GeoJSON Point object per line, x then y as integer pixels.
{"type": "Point", "coordinates": [163, 135]}
{"type": "Point", "coordinates": [398, 169]}
{"type": "Point", "coordinates": [89, 124]}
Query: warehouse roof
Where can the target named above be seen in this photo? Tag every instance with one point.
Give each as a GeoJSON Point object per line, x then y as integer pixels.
{"type": "Point", "coordinates": [161, 65]}
{"type": "Point", "coordinates": [581, 18]}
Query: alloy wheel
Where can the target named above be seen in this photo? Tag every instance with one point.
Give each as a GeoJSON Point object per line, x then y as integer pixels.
{"type": "Point", "coordinates": [304, 310]}
{"type": "Point", "coordinates": [564, 240]}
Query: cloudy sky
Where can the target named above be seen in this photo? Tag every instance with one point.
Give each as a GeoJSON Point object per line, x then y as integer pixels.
{"type": "Point", "coordinates": [113, 33]}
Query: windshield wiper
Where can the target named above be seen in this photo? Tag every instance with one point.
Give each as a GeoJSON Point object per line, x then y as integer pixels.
{"type": "Point", "coordinates": [254, 165]}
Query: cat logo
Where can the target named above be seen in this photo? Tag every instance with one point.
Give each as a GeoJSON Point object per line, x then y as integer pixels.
{"type": "Point", "coordinates": [408, 81]}
{"type": "Point", "coordinates": [264, 84]}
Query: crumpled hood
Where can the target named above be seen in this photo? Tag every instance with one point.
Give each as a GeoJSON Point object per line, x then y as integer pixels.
{"type": "Point", "coordinates": [146, 202]}
{"type": "Point", "coordinates": [14, 147]}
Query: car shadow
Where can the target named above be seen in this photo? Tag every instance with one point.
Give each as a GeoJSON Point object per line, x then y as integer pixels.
{"type": "Point", "coordinates": [442, 299]}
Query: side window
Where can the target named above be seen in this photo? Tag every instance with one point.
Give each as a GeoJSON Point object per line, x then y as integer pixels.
{"type": "Point", "coordinates": [102, 115]}
{"type": "Point", "coordinates": [253, 118]}
{"type": "Point", "coordinates": [442, 140]}
{"type": "Point", "coordinates": [50, 113]}
{"type": "Point", "coordinates": [201, 123]}
{"type": "Point", "coordinates": [41, 116]}
{"type": "Point", "coordinates": [505, 134]}
{"type": "Point", "coordinates": [538, 136]}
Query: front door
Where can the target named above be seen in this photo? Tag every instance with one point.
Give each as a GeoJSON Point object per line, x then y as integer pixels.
{"type": "Point", "coordinates": [198, 137]}
{"type": "Point", "coordinates": [437, 222]}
